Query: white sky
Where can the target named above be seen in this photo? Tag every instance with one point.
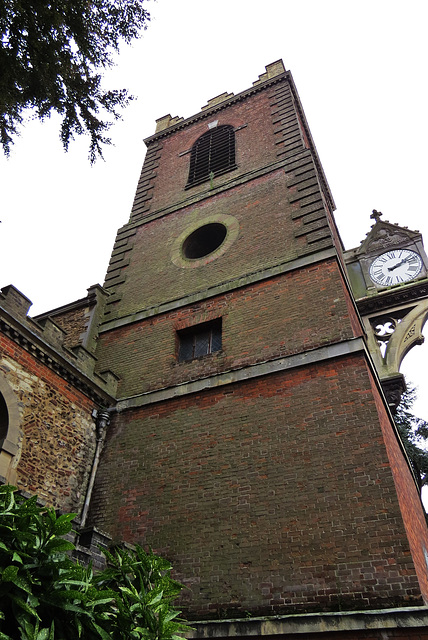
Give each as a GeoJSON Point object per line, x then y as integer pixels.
{"type": "Point", "coordinates": [360, 69]}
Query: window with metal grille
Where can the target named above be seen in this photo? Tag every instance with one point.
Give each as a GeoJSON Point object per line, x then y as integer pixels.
{"type": "Point", "coordinates": [212, 154]}
{"type": "Point", "coordinates": [199, 340]}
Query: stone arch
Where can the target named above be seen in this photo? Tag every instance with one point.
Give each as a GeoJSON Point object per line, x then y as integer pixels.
{"type": "Point", "coordinates": [10, 431]}
{"type": "Point", "coordinates": [407, 334]}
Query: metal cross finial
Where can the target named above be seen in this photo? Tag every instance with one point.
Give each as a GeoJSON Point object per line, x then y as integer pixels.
{"type": "Point", "coordinates": [376, 215]}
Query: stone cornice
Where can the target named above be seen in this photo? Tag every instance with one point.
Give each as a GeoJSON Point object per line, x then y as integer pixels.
{"type": "Point", "coordinates": [62, 366]}
{"type": "Point", "coordinates": [219, 289]}
{"type": "Point", "coordinates": [393, 297]}
{"type": "Point", "coordinates": [244, 373]}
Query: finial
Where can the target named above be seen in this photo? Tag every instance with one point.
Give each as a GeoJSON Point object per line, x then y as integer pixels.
{"type": "Point", "coordinates": [376, 215]}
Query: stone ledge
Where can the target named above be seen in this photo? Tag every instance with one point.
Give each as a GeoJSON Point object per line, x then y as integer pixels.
{"type": "Point", "coordinates": [400, 618]}
{"type": "Point", "coordinates": [314, 256]}
{"type": "Point", "coordinates": [245, 373]}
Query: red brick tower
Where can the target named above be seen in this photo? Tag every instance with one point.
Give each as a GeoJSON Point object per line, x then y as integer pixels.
{"type": "Point", "coordinates": [252, 444]}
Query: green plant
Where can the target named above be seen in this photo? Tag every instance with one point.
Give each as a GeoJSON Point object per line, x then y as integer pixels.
{"type": "Point", "coordinates": [414, 433]}
{"type": "Point", "coordinates": [46, 595]}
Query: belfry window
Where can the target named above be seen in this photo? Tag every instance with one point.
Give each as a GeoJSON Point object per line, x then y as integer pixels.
{"type": "Point", "coordinates": [199, 340]}
{"type": "Point", "coordinates": [212, 154]}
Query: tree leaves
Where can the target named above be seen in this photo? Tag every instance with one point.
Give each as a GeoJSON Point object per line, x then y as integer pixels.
{"type": "Point", "coordinates": [46, 595]}
{"type": "Point", "coordinates": [51, 59]}
{"type": "Point", "coordinates": [414, 433]}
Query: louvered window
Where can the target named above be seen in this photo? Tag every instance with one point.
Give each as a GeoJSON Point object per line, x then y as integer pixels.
{"type": "Point", "coordinates": [200, 340]}
{"type": "Point", "coordinates": [212, 154]}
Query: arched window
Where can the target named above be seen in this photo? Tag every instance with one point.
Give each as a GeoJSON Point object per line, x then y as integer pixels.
{"type": "Point", "coordinates": [10, 432]}
{"type": "Point", "coordinates": [4, 419]}
{"type": "Point", "coordinates": [212, 153]}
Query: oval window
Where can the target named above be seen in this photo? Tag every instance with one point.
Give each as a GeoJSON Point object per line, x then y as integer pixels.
{"type": "Point", "coordinates": [204, 240]}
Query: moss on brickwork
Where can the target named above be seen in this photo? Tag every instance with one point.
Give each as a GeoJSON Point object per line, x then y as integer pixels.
{"type": "Point", "coordinates": [275, 192]}
{"type": "Point", "coordinates": [152, 277]}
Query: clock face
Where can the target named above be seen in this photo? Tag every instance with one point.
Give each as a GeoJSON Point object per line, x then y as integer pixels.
{"type": "Point", "coordinates": [395, 266]}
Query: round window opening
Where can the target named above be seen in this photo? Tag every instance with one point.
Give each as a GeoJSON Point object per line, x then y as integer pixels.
{"type": "Point", "coordinates": [204, 240]}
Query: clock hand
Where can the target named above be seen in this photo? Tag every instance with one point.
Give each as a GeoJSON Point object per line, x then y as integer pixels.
{"type": "Point", "coordinates": [397, 265]}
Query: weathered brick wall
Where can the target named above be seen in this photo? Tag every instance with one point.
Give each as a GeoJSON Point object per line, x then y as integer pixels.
{"type": "Point", "coordinates": [412, 510]}
{"type": "Point", "coordinates": [271, 231]}
{"type": "Point", "coordinates": [173, 170]}
{"type": "Point", "coordinates": [385, 634]}
{"type": "Point", "coordinates": [275, 194]}
{"type": "Point", "coordinates": [260, 322]}
{"type": "Point", "coordinates": [274, 494]}
{"type": "Point", "coordinates": [58, 433]}
{"type": "Point", "coordinates": [269, 496]}
{"type": "Point", "coordinates": [270, 117]}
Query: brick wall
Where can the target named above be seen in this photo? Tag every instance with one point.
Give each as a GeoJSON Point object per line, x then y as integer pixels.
{"type": "Point", "coordinates": [58, 434]}
{"type": "Point", "coordinates": [275, 194]}
{"type": "Point", "coordinates": [410, 503]}
{"type": "Point", "coordinates": [250, 114]}
{"type": "Point", "coordinates": [268, 235]}
{"type": "Point", "coordinates": [269, 496]}
{"type": "Point", "coordinates": [260, 322]}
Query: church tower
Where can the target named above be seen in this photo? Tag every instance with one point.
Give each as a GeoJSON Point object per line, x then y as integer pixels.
{"type": "Point", "coordinates": [252, 444]}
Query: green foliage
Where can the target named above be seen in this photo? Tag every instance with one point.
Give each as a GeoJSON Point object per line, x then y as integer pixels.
{"type": "Point", "coordinates": [414, 433]}
{"type": "Point", "coordinates": [46, 595]}
{"type": "Point", "coordinates": [51, 58]}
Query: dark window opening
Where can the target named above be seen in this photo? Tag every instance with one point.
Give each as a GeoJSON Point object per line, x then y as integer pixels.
{"type": "Point", "coordinates": [200, 340]}
{"type": "Point", "coordinates": [204, 240]}
{"type": "Point", "coordinates": [212, 154]}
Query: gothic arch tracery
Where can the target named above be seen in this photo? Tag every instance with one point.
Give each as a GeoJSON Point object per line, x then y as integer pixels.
{"type": "Point", "coordinates": [400, 332]}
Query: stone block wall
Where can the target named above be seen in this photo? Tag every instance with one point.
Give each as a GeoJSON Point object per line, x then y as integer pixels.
{"type": "Point", "coordinates": [74, 324]}
{"type": "Point", "coordinates": [56, 441]}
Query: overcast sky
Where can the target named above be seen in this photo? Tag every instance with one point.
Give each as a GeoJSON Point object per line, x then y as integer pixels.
{"type": "Point", "coordinates": [360, 69]}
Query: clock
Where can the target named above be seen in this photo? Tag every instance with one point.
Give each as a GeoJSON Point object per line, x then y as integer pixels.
{"type": "Point", "coordinates": [395, 266]}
